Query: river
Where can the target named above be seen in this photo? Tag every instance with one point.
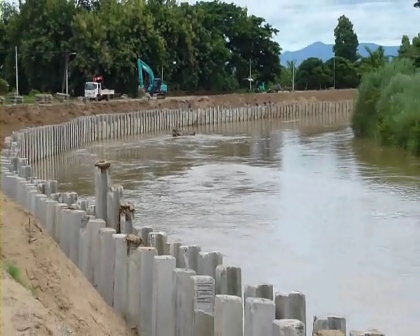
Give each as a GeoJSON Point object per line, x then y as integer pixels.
{"type": "Point", "coordinates": [301, 205]}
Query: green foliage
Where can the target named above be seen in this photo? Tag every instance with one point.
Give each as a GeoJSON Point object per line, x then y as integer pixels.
{"type": "Point", "coordinates": [388, 106]}
{"type": "Point", "coordinates": [4, 87]}
{"type": "Point", "coordinates": [313, 74]}
{"type": "Point", "coordinates": [205, 46]}
{"type": "Point", "coordinates": [14, 272]}
{"type": "Point", "coordinates": [345, 73]}
{"type": "Point", "coordinates": [373, 62]}
{"type": "Point", "coordinates": [346, 41]}
{"type": "Point", "coordinates": [410, 50]}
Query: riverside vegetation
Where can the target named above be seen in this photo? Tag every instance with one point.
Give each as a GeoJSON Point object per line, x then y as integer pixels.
{"type": "Point", "coordinates": [387, 106]}
{"type": "Point", "coordinates": [203, 47]}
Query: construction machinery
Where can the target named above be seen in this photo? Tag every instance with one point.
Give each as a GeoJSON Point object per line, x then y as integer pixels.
{"type": "Point", "coordinates": [155, 87]}
{"type": "Point", "coordinates": [96, 90]}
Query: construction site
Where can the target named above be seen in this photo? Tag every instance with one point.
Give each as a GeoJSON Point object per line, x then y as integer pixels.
{"type": "Point", "coordinates": [16, 117]}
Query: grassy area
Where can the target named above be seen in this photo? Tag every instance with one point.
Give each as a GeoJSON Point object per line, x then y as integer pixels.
{"type": "Point", "coordinates": [30, 99]}
{"type": "Point", "coordinates": [14, 272]}
{"type": "Point", "coordinates": [387, 106]}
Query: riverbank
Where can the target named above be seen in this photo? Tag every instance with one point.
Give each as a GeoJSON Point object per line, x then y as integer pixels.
{"type": "Point", "coordinates": [15, 118]}
{"type": "Point", "coordinates": [43, 292]}
{"type": "Point", "coordinates": [387, 107]}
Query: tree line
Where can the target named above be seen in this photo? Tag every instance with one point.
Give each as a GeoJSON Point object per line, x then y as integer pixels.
{"type": "Point", "coordinates": [347, 67]}
{"type": "Point", "coordinates": [207, 46]}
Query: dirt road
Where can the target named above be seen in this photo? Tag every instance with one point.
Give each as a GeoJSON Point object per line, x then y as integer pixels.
{"type": "Point", "coordinates": [13, 118]}
{"type": "Point", "coordinates": [49, 296]}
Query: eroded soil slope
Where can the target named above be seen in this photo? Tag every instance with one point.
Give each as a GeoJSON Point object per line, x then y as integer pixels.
{"type": "Point", "coordinates": [14, 118]}
{"type": "Point", "coordinates": [53, 297]}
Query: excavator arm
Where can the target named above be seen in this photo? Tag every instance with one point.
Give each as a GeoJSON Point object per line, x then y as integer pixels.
{"type": "Point", "coordinates": [140, 74]}
{"type": "Point", "coordinates": [143, 66]}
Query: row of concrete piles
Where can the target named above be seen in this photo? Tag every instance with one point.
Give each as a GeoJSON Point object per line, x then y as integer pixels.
{"type": "Point", "coordinates": [161, 288]}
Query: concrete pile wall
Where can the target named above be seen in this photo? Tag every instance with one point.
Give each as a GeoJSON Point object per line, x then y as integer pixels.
{"type": "Point", "coordinates": [162, 288]}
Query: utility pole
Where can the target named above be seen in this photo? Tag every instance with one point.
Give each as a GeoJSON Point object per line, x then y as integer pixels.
{"type": "Point", "coordinates": [293, 75]}
{"type": "Point", "coordinates": [250, 76]}
{"type": "Point", "coordinates": [162, 73]}
{"type": "Point", "coordinates": [16, 71]}
{"type": "Point", "coordinates": [334, 72]}
{"type": "Point", "coordinates": [67, 72]}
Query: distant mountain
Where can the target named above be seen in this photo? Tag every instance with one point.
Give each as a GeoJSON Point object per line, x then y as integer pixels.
{"type": "Point", "coordinates": [325, 52]}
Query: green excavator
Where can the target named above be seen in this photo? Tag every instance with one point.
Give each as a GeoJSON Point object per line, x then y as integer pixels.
{"type": "Point", "coordinates": [156, 87]}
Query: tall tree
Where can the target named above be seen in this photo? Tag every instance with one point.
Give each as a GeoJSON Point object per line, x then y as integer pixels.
{"type": "Point", "coordinates": [417, 4]}
{"type": "Point", "coordinates": [346, 41]}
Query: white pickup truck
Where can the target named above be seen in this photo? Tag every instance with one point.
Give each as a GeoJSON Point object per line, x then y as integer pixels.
{"type": "Point", "coordinates": [95, 90]}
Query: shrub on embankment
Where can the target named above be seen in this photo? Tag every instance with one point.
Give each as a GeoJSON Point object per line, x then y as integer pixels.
{"type": "Point", "coordinates": [387, 106]}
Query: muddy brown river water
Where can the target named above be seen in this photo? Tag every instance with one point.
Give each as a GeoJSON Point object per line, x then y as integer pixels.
{"type": "Point", "coordinates": [301, 205]}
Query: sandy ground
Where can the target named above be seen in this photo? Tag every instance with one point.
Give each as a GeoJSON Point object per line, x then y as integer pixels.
{"type": "Point", "coordinates": [14, 118]}
{"type": "Point", "coordinates": [53, 297]}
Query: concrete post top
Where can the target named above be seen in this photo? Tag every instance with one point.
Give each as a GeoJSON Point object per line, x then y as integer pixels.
{"type": "Point", "coordinates": [67, 209]}
{"type": "Point", "coordinates": [164, 257]}
{"type": "Point", "coordinates": [231, 298]}
{"type": "Point", "coordinates": [79, 212]}
{"type": "Point", "coordinates": [157, 233]}
{"type": "Point", "coordinates": [184, 270]}
{"type": "Point", "coordinates": [50, 201]}
{"type": "Point", "coordinates": [146, 248]}
{"type": "Point", "coordinates": [119, 236]}
{"type": "Point", "coordinates": [106, 229]}
{"type": "Point", "coordinates": [281, 294]}
{"type": "Point", "coordinates": [288, 323]}
{"type": "Point", "coordinates": [101, 221]}
{"type": "Point", "coordinates": [296, 293]}
{"type": "Point", "coordinates": [252, 301]}
{"type": "Point", "coordinates": [102, 164]}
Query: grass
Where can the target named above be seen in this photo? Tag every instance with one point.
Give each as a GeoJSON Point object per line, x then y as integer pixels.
{"type": "Point", "coordinates": [14, 272]}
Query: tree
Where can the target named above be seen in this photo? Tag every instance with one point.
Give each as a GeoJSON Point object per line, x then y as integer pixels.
{"type": "Point", "coordinates": [417, 4]}
{"type": "Point", "coordinates": [344, 73]}
{"type": "Point", "coordinates": [410, 50]}
{"type": "Point", "coordinates": [205, 46]}
{"type": "Point", "coordinates": [346, 41]}
{"type": "Point", "coordinates": [313, 74]}
{"type": "Point", "coordinates": [286, 78]}
{"type": "Point", "coordinates": [374, 61]}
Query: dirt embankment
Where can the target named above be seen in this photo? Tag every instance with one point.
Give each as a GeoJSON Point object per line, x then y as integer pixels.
{"type": "Point", "coordinates": [14, 118]}
{"type": "Point", "coordinates": [49, 296]}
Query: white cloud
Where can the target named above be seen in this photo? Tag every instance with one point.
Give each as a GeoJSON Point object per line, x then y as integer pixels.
{"type": "Point", "coordinates": [302, 22]}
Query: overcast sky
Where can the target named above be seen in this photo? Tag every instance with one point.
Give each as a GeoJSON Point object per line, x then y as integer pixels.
{"type": "Point", "coordinates": [302, 22]}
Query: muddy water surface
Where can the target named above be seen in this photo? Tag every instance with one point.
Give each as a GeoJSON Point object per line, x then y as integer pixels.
{"type": "Point", "coordinates": [304, 207]}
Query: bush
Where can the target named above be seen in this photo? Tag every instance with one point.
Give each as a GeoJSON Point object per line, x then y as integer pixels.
{"type": "Point", "coordinates": [4, 87]}
{"type": "Point", "coordinates": [387, 106]}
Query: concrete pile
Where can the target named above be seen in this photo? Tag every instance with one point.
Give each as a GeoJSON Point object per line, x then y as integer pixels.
{"type": "Point", "coordinates": [161, 287]}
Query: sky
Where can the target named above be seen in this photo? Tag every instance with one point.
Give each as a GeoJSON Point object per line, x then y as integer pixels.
{"type": "Point", "coordinates": [302, 22]}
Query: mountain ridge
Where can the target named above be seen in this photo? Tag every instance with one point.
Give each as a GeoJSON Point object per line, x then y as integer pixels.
{"type": "Point", "coordinates": [325, 52]}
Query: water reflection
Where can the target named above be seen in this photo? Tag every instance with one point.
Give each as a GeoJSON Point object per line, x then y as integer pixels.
{"type": "Point", "coordinates": [300, 204]}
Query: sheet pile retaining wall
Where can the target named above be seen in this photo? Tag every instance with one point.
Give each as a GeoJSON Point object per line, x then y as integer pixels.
{"type": "Point", "coordinates": [162, 288]}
